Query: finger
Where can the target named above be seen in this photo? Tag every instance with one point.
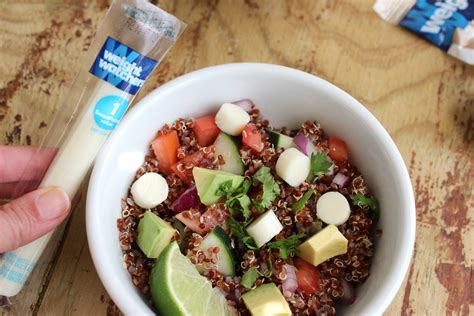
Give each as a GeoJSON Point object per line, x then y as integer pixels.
{"type": "Point", "coordinates": [31, 216]}
{"type": "Point", "coordinates": [22, 163]}
{"type": "Point", "coordinates": [11, 189]}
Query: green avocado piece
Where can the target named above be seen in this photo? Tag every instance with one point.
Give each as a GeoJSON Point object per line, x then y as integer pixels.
{"type": "Point", "coordinates": [266, 300]}
{"type": "Point", "coordinates": [209, 181]}
{"type": "Point", "coordinates": [154, 234]}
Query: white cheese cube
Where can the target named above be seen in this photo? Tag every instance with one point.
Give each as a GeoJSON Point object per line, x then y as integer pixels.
{"type": "Point", "coordinates": [293, 166]}
{"type": "Point", "coordinates": [149, 190]}
{"type": "Point", "coordinates": [333, 208]}
{"type": "Point", "coordinates": [264, 228]}
{"type": "Point", "coordinates": [232, 119]}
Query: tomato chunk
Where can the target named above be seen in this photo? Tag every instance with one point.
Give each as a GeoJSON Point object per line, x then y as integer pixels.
{"type": "Point", "coordinates": [307, 276]}
{"type": "Point", "coordinates": [252, 138]}
{"type": "Point", "coordinates": [191, 218]}
{"type": "Point", "coordinates": [205, 222]}
{"type": "Point", "coordinates": [165, 148]}
{"type": "Point", "coordinates": [206, 130]}
{"type": "Point", "coordinates": [337, 149]}
{"type": "Point", "coordinates": [184, 167]}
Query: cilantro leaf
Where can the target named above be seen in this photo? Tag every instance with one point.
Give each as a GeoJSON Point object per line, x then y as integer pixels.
{"type": "Point", "coordinates": [372, 203]}
{"type": "Point", "coordinates": [249, 277]}
{"type": "Point", "coordinates": [242, 203]}
{"type": "Point", "coordinates": [263, 175]}
{"type": "Point", "coordinates": [286, 246]}
{"type": "Point", "coordinates": [271, 189]}
{"type": "Point", "coordinates": [252, 274]}
{"type": "Point", "coordinates": [299, 205]}
{"type": "Point", "coordinates": [225, 189]}
{"type": "Point", "coordinates": [319, 165]}
{"type": "Point", "coordinates": [240, 232]}
{"type": "Point", "coordinates": [236, 200]}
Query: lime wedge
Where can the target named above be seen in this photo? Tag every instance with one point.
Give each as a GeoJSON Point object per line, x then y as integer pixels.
{"type": "Point", "coordinates": [177, 288]}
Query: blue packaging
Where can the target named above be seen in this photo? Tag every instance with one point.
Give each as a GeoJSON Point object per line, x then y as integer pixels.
{"type": "Point", "coordinates": [447, 24]}
{"type": "Point", "coordinates": [121, 66]}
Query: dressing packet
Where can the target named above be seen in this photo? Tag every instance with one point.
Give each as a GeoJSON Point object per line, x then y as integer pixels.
{"type": "Point", "coordinates": [449, 24]}
{"type": "Point", "coordinates": [132, 39]}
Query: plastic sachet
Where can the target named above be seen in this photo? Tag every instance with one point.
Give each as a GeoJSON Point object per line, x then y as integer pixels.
{"type": "Point", "coordinates": [448, 24]}
{"type": "Point", "coordinates": [132, 39]}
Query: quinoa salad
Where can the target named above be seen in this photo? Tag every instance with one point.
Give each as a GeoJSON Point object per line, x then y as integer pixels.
{"type": "Point", "coordinates": [263, 219]}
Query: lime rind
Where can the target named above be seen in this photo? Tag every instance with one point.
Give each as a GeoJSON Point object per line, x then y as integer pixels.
{"type": "Point", "coordinates": [177, 288]}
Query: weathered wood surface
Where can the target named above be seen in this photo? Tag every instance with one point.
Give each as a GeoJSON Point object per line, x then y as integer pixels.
{"type": "Point", "coordinates": [424, 98]}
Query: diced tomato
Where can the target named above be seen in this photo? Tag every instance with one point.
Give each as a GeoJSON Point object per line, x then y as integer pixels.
{"type": "Point", "coordinates": [215, 215]}
{"type": "Point", "coordinates": [337, 149]}
{"type": "Point", "coordinates": [191, 220]}
{"type": "Point", "coordinates": [165, 148]}
{"type": "Point", "coordinates": [211, 218]}
{"type": "Point", "coordinates": [252, 138]}
{"type": "Point", "coordinates": [206, 130]}
{"type": "Point", "coordinates": [184, 167]}
{"type": "Point", "coordinates": [307, 276]}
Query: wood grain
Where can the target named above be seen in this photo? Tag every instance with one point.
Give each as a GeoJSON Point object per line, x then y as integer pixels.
{"type": "Point", "coordinates": [424, 98]}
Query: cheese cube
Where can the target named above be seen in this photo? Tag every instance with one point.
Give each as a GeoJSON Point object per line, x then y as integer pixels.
{"type": "Point", "coordinates": [325, 244]}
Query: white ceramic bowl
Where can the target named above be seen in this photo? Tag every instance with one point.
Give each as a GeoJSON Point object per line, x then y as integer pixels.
{"type": "Point", "coordinates": [286, 97]}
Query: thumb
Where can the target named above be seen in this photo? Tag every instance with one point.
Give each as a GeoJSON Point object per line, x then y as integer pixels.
{"type": "Point", "coordinates": [31, 216]}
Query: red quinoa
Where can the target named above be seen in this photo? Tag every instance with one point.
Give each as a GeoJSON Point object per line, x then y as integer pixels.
{"type": "Point", "coordinates": [353, 267]}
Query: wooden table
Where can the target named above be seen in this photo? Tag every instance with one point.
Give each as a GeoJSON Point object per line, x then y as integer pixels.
{"type": "Point", "coordinates": [424, 98]}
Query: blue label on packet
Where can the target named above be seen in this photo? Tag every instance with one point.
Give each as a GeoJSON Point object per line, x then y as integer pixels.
{"type": "Point", "coordinates": [437, 20]}
{"type": "Point", "coordinates": [122, 66]}
{"type": "Point", "coordinates": [108, 111]}
{"type": "Point", "coordinates": [15, 268]}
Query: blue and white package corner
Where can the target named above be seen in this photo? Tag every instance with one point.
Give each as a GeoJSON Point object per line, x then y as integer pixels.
{"type": "Point", "coordinates": [448, 24]}
{"type": "Point", "coordinates": [121, 66]}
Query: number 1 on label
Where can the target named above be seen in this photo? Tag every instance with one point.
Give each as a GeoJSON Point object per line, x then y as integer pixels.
{"type": "Point", "coordinates": [116, 106]}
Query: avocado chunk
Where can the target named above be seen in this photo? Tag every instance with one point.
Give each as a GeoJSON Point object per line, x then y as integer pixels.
{"type": "Point", "coordinates": [209, 181]}
{"type": "Point", "coordinates": [154, 234]}
{"type": "Point", "coordinates": [325, 244]}
{"type": "Point", "coordinates": [266, 300]}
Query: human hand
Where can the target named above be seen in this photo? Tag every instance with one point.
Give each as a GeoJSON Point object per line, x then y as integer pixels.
{"type": "Point", "coordinates": [32, 215]}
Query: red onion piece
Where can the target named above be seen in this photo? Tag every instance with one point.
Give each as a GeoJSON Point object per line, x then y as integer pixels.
{"type": "Point", "coordinates": [349, 295]}
{"type": "Point", "coordinates": [245, 104]}
{"type": "Point", "coordinates": [305, 145]}
{"type": "Point", "coordinates": [341, 180]}
{"type": "Point", "coordinates": [187, 200]}
{"type": "Point", "coordinates": [290, 284]}
{"type": "Point", "coordinates": [232, 297]}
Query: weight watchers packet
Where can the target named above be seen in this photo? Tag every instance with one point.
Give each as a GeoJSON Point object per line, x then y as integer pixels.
{"type": "Point", "coordinates": [133, 38]}
{"type": "Point", "coordinates": [449, 24]}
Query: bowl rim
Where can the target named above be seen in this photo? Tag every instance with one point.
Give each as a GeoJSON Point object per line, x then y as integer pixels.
{"type": "Point", "coordinates": [124, 302]}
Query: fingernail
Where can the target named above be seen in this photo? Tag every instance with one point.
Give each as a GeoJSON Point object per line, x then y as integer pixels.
{"type": "Point", "coordinates": [52, 203]}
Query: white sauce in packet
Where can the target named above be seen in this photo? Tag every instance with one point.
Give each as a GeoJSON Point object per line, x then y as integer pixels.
{"type": "Point", "coordinates": [449, 24]}
{"type": "Point", "coordinates": [132, 39]}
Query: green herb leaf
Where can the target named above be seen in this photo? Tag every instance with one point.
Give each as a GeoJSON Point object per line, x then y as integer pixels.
{"type": "Point", "coordinates": [286, 246]}
{"type": "Point", "coordinates": [249, 277]}
{"type": "Point", "coordinates": [370, 202]}
{"type": "Point", "coordinates": [263, 175]}
{"type": "Point", "coordinates": [236, 200]}
{"type": "Point", "coordinates": [242, 203]}
{"type": "Point", "coordinates": [240, 232]}
{"type": "Point", "coordinates": [271, 189]}
{"type": "Point", "coordinates": [252, 274]}
{"type": "Point", "coordinates": [319, 165]}
{"type": "Point", "coordinates": [225, 189]}
{"type": "Point", "coordinates": [299, 205]}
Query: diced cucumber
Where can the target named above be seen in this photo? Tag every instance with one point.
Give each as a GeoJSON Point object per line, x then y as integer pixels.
{"type": "Point", "coordinates": [225, 257]}
{"type": "Point", "coordinates": [279, 140]}
{"type": "Point", "coordinates": [228, 147]}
